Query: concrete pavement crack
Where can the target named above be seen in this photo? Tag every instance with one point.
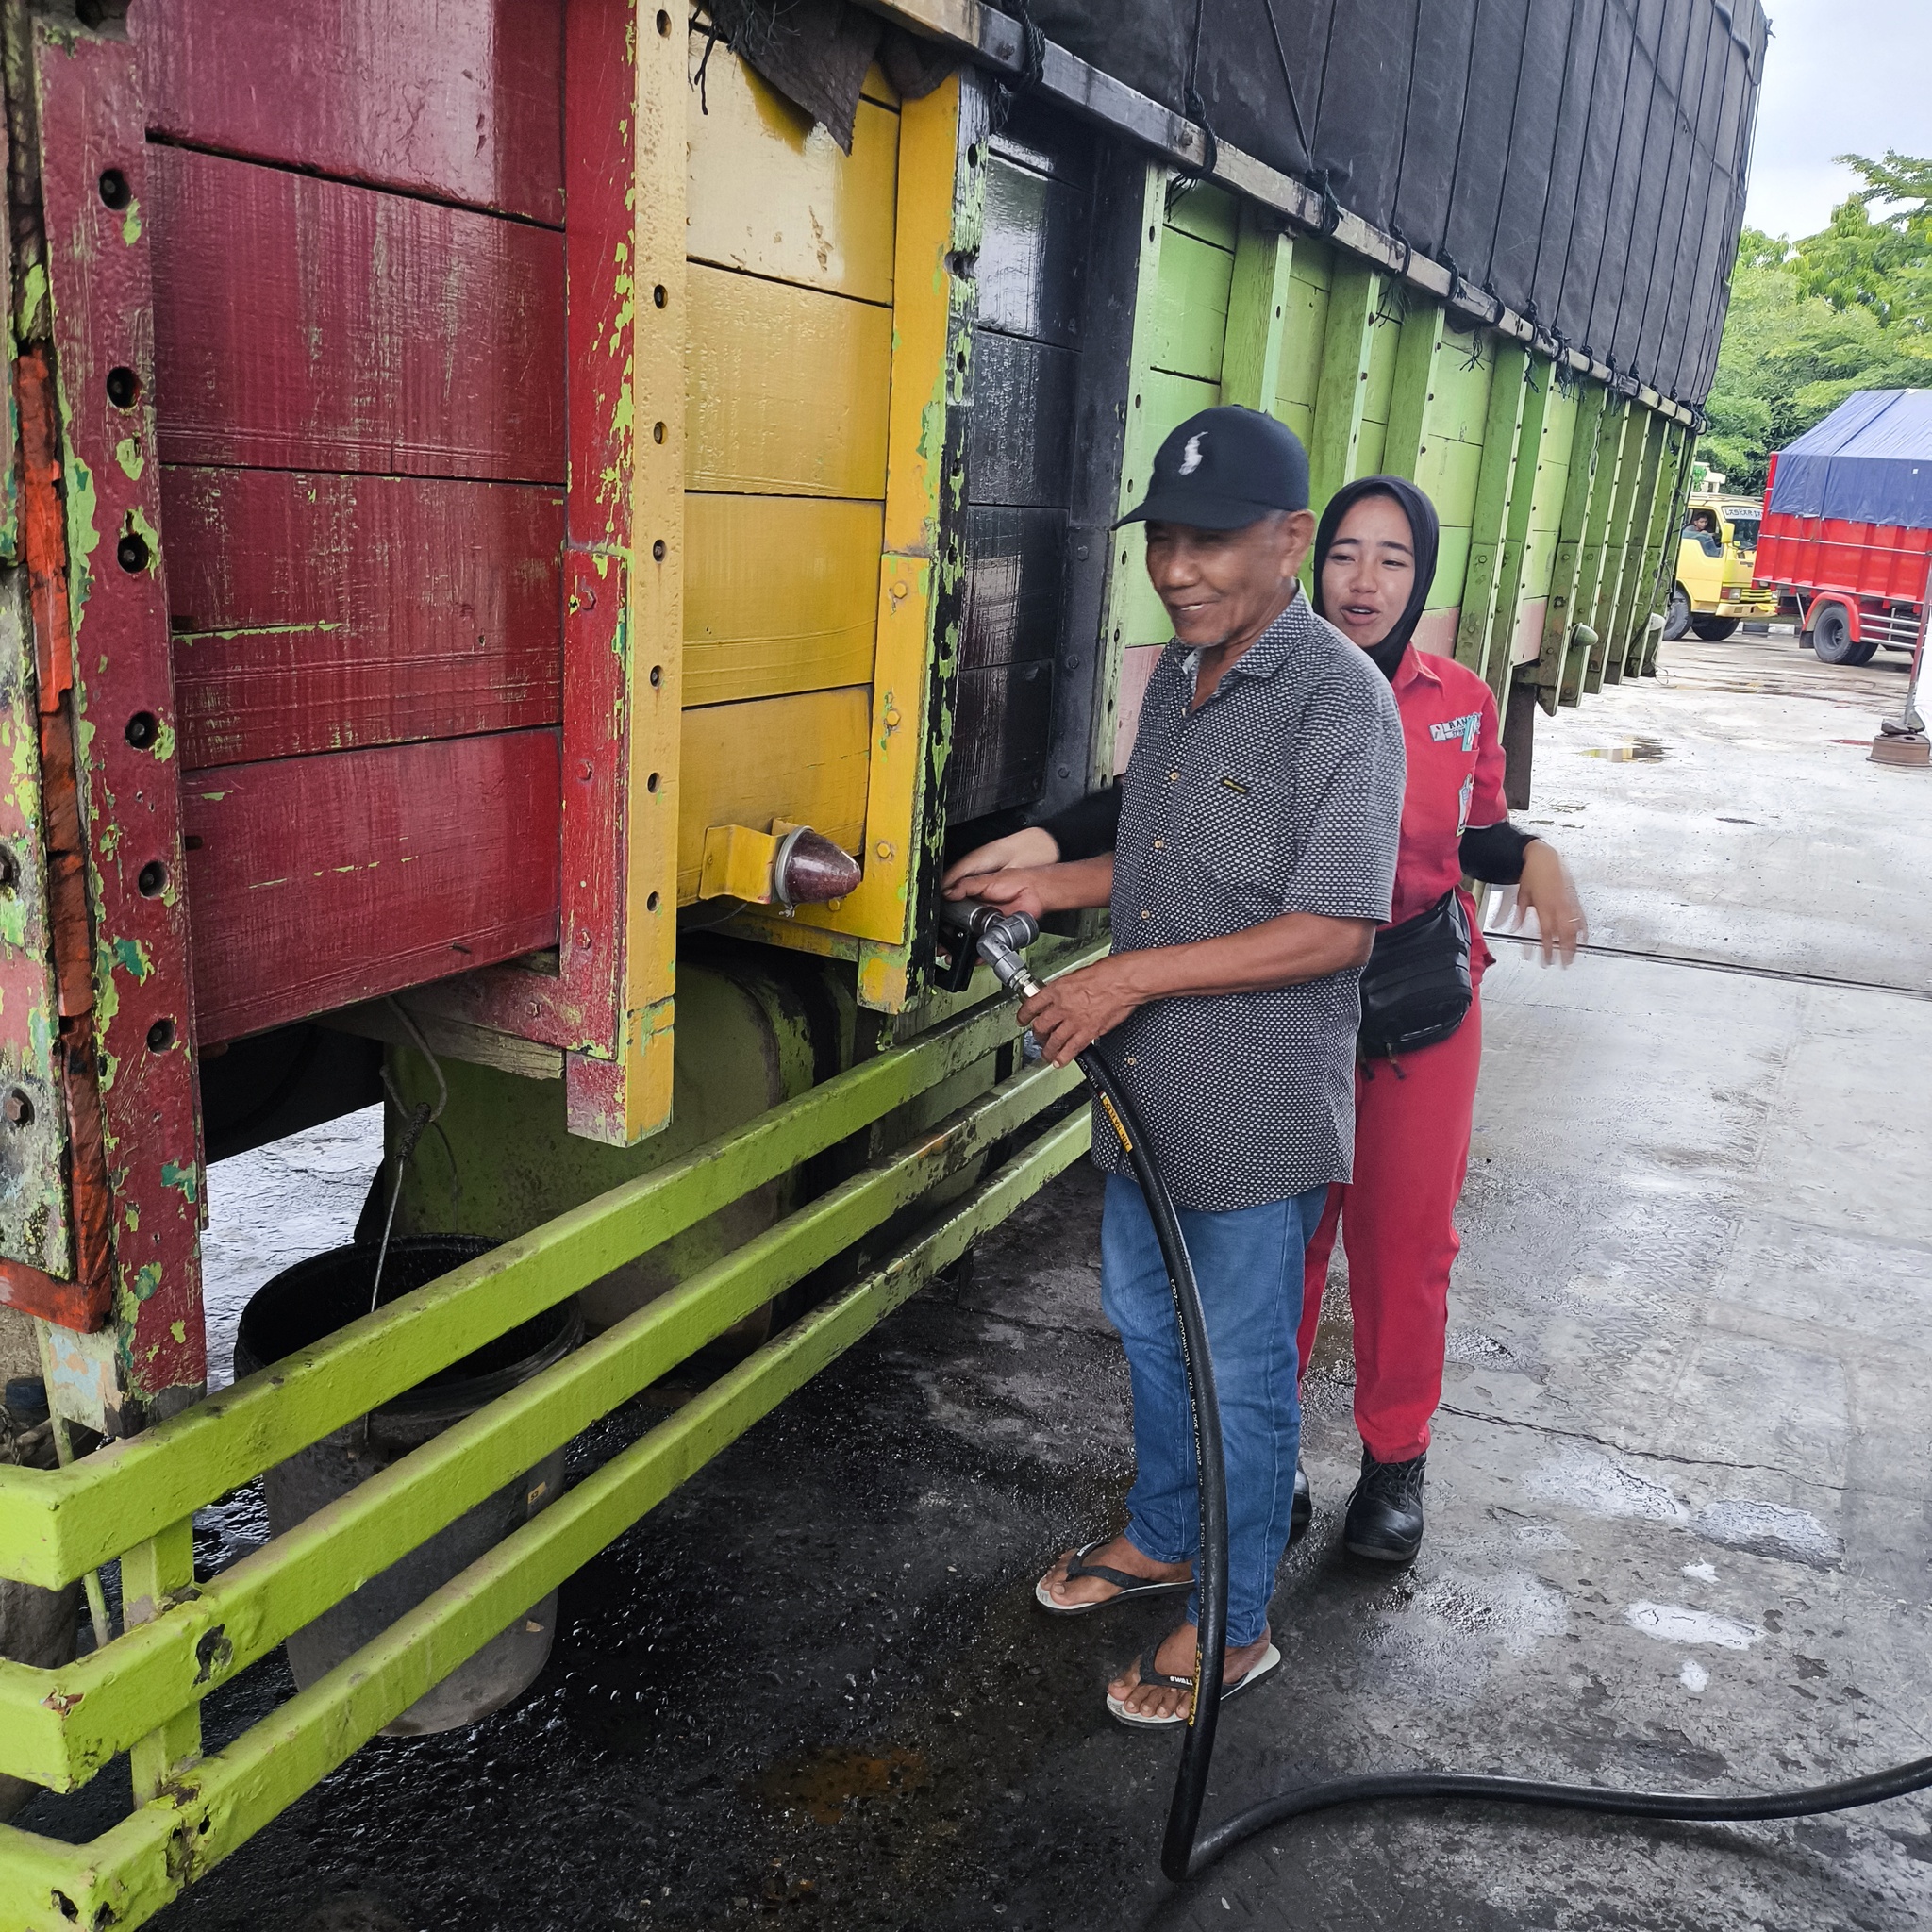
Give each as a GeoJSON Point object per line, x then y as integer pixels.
{"type": "Point", "coordinates": [1503, 1422]}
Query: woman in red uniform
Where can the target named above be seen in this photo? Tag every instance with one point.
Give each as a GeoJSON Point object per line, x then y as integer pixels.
{"type": "Point", "coordinates": [1374, 561]}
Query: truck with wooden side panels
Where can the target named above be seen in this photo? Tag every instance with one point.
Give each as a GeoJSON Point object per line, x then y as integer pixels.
{"type": "Point", "coordinates": [1714, 591]}
{"type": "Point", "coordinates": [528, 531]}
{"type": "Point", "coordinates": [1847, 541]}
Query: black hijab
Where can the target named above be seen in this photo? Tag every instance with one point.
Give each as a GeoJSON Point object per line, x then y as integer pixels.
{"type": "Point", "coordinates": [1426, 532]}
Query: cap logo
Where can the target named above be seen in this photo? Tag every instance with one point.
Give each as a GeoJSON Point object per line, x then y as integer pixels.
{"type": "Point", "coordinates": [1190, 454]}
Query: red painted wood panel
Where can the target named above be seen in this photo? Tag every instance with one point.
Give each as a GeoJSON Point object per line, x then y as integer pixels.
{"type": "Point", "coordinates": [306, 324]}
{"type": "Point", "coordinates": [459, 99]}
{"type": "Point", "coordinates": [95, 183]}
{"type": "Point", "coordinates": [321, 613]}
{"type": "Point", "coordinates": [319, 881]}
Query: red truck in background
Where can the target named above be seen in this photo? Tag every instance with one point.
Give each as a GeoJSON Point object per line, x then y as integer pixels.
{"type": "Point", "coordinates": [1847, 532]}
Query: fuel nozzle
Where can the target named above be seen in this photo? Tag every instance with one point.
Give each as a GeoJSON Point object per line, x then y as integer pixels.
{"type": "Point", "coordinates": [969, 932]}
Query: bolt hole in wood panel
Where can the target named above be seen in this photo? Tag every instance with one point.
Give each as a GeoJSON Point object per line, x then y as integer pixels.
{"type": "Point", "coordinates": [1027, 342]}
{"type": "Point", "coordinates": [358, 289]}
{"type": "Point", "coordinates": [789, 368]}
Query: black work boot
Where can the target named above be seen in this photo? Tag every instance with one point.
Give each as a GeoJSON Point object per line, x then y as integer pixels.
{"type": "Point", "coordinates": [1302, 1511]}
{"type": "Point", "coordinates": [1385, 1514]}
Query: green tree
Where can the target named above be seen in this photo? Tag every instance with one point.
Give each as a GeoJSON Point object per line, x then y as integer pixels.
{"type": "Point", "coordinates": [1813, 322]}
{"type": "Point", "coordinates": [1884, 264]}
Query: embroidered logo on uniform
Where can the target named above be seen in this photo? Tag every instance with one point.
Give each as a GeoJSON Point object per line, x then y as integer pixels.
{"type": "Point", "coordinates": [1463, 799]}
{"type": "Point", "coordinates": [1464, 728]}
{"type": "Point", "coordinates": [1190, 453]}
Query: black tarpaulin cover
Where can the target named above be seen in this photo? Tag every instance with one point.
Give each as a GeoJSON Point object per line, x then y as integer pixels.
{"type": "Point", "coordinates": [1583, 161]}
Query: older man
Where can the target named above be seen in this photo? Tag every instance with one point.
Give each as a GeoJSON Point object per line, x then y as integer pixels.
{"type": "Point", "coordinates": [1255, 860]}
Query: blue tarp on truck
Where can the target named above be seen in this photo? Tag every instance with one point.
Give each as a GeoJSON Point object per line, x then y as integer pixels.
{"type": "Point", "coordinates": [1870, 462]}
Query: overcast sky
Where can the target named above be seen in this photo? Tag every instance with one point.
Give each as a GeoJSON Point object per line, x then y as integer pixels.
{"type": "Point", "coordinates": [1841, 75]}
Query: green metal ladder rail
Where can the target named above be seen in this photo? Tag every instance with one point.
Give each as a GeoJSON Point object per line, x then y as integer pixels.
{"type": "Point", "coordinates": [141, 1692]}
{"type": "Point", "coordinates": [208, 1809]}
{"type": "Point", "coordinates": [57, 1525]}
{"type": "Point", "coordinates": [59, 1727]}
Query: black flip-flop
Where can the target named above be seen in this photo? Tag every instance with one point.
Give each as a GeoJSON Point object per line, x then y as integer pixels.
{"type": "Point", "coordinates": [1263, 1666]}
{"type": "Point", "coordinates": [1129, 1586]}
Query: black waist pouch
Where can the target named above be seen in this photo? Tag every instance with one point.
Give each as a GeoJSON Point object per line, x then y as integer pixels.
{"type": "Point", "coordinates": [1416, 988]}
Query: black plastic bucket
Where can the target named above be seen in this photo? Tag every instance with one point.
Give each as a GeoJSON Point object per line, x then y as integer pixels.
{"type": "Point", "coordinates": [311, 1301]}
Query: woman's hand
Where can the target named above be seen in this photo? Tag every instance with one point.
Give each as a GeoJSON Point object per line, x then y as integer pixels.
{"type": "Point", "coordinates": [1015, 890]}
{"type": "Point", "coordinates": [1032, 847]}
{"type": "Point", "coordinates": [1070, 1013]}
{"type": "Point", "coordinates": [1547, 889]}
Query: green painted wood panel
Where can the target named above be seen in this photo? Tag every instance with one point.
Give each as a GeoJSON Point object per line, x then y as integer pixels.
{"type": "Point", "coordinates": [1191, 320]}
{"type": "Point", "coordinates": [1412, 387]}
{"type": "Point", "coordinates": [1204, 211]}
{"type": "Point", "coordinates": [1257, 315]}
{"type": "Point", "coordinates": [1489, 517]}
{"type": "Point", "coordinates": [1344, 385]}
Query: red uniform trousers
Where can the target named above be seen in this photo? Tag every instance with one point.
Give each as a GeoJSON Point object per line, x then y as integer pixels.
{"type": "Point", "coordinates": [1398, 1227]}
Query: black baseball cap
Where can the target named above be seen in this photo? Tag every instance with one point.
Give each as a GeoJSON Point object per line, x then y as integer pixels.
{"type": "Point", "coordinates": [1223, 469]}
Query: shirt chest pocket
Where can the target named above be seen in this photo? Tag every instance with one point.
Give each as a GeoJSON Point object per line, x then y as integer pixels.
{"type": "Point", "coordinates": [1232, 823]}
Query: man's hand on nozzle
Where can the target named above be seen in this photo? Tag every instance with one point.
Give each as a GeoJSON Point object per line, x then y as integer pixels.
{"type": "Point", "coordinates": [1071, 1013]}
{"type": "Point", "coordinates": [1024, 850]}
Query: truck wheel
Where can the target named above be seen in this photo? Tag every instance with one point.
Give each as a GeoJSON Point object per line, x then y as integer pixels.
{"type": "Point", "coordinates": [1677, 614]}
{"type": "Point", "coordinates": [1831, 635]}
{"type": "Point", "coordinates": [1713, 630]}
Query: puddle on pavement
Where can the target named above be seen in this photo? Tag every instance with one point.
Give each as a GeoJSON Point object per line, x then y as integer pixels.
{"type": "Point", "coordinates": [1769, 1529]}
{"type": "Point", "coordinates": [824, 1785]}
{"type": "Point", "coordinates": [1594, 1483]}
{"type": "Point", "coordinates": [1641, 750]}
{"type": "Point", "coordinates": [1674, 1623]}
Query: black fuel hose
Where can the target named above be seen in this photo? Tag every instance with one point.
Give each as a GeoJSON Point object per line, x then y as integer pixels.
{"type": "Point", "coordinates": [1204, 1406]}
{"type": "Point", "coordinates": [1184, 1854]}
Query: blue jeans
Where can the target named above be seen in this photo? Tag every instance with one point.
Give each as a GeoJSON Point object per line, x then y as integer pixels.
{"type": "Point", "coordinates": [1248, 1264]}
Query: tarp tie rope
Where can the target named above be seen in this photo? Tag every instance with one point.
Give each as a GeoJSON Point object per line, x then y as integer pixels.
{"type": "Point", "coordinates": [1032, 69]}
{"type": "Point", "coordinates": [1294, 107]}
{"type": "Point", "coordinates": [700, 25]}
{"type": "Point", "coordinates": [1331, 209]}
{"type": "Point", "coordinates": [1192, 106]}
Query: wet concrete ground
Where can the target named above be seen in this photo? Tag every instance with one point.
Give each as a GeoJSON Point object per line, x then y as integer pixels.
{"type": "Point", "coordinates": [1677, 1501]}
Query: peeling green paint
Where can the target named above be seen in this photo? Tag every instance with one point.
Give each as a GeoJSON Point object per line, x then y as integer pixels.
{"type": "Point", "coordinates": [131, 957]}
{"type": "Point", "coordinates": [147, 1278]}
{"type": "Point", "coordinates": [130, 224]}
{"type": "Point", "coordinates": [322, 627]}
{"type": "Point", "coordinates": [184, 1178]}
{"type": "Point", "coordinates": [127, 454]}
{"type": "Point", "coordinates": [33, 300]}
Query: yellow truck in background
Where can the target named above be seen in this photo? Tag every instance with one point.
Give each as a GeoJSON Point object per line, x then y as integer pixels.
{"type": "Point", "coordinates": [1717, 553]}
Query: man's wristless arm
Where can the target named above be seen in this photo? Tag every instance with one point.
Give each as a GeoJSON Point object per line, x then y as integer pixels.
{"type": "Point", "coordinates": [1287, 951]}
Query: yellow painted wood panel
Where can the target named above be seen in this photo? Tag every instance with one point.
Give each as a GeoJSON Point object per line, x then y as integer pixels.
{"type": "Point", "coordinates": [771, 192]}
{"type": "Point", "coordinates": [803, 759]}
{"type": "Point", "coordinates": [788, 389]}
{"type": "Point", "coordinates": [780, 595]}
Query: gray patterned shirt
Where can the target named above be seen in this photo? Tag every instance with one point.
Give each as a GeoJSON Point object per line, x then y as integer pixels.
{"type": "Point", "coordinates": [1281, 793]}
